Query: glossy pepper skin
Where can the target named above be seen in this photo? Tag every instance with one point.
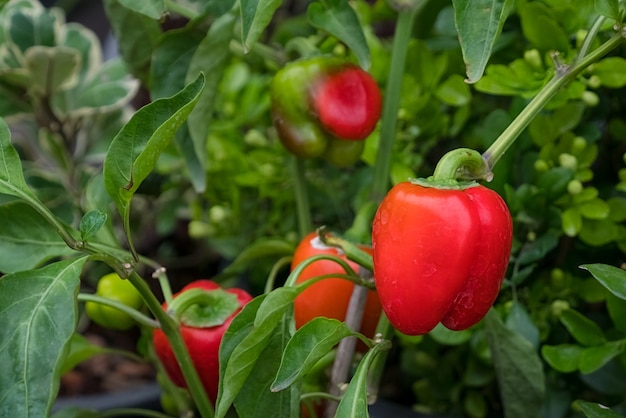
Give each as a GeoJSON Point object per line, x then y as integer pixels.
{"type": "Point", "coordinates": [323, 107]}
{"type": "Point", "coordinates": [112, 286]}
{"type": "Point", "coordinates": [440, 255]}
{"type": "Point", "coordinates": [329, 297]}
{"type": "Point", "coordinates": [202, 343]}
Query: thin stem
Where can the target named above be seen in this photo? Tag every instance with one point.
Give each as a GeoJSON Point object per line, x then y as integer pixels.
{"type": "Point", "coordinates": [591, 34]}
{"type": "Point", "coordinates": [305, 225]}
{"type": "Point", "coordinates": [134, 313]}
{"type": "Point", "coordinates": [562, 77]}
{"type": "Point", "coordinates": [271, 279]}
{"type": "Point", "coordinates": [161, 275]}
{"type": "Point", "coordinates": [135, 412]}
{"type": "Point", "coordinates": [391, 103]}
{"type": "Point", "coordinates": [384, 331]}
{"type": "Point", "coordinates": [345, 350]}
{"type": "Point", "coordinates": [172, 332]}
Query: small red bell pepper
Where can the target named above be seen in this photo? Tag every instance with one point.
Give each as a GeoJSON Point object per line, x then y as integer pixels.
{"type": "Point", "coordinates": [205, 311]}
{"type": "Point", "coordinates": [440, 255]}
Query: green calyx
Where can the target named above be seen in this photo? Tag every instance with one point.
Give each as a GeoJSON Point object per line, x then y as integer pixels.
{"type": "Point", "coordinates": [457, 170]}
{"type": "Point", "coordinates": [200, 308]}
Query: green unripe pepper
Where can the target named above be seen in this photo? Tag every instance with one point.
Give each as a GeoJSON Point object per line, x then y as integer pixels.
{"type": "Point", "coordinates": [112, 286]}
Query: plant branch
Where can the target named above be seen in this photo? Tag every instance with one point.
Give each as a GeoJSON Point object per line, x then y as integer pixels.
{"type": "Point", "coordinates": [562, 76]}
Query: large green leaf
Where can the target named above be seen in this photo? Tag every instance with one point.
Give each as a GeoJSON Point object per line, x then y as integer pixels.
{"type": "Point", "coordinates": [613, 278]}
{"type": "Point", "coordinates": [211, 57]}
{"type": "Point", "coordinates": [136, 148]}
{"type": "Point", "coordinates": [338, 18]}
{"type": "Point", "coordinates": [563, 358]}
{"type": "Point", "coordinates": [38, 316]}
{"type": "Point", "coordinates": [256, 399]}
{"type": "Point", "coordinates": [247, 337]}
{"type": "Point", "coordinates": [27, 239]}
{"type": "Point", "coordinates": [255, 16]}
{"type": "Point", "coordinates": [308, 345]}
{"type": "Point", "coordinates": [479, 23]}
{"type": "Point", "coordinates": [518, 367]}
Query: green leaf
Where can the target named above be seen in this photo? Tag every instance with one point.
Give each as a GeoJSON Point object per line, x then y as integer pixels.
{"type": "Point", "coordinates": [338, 18]}
{"type": "Point", "coordinates": [308, 345]}
{"type": "Point", "coordinates": [598, 232]}
{"type": "Point", "coordinates": [154, 9]}
{"type": "Point", "coordinates": [51, 68]}
{"type": "Point", "coordinates": [81, 349]}
{"type": "Point", "coordinates": [354, 401]}
{"type": "Point", "coordinates": [541, 28]}
{"type": "Point", "coordinates": [592, 358]}
{"type": "Point", "coordinates": [276, 304]}
{"type": "Point", "coordinates": [170, 62]}
{"type": "Point", "coordinates": [454, 91]}
{"type": "Point", "coordinates": [611, 71]}
{"type": "Point", "coordinates": [211, 57]}
{"type": "Point", "coordinates": [563, 358]}
{"type": "Point", "coordinates": [583, 329]}
{"type": "Point", "coordinates": [617, 207]}
{"type": "Point", "coordinates": [571, 222]}
{"type": "Point", "coordinates": [613, 278]}
{"type": "Point", "coordinates": [241, 348]}
{"type": "Point", "coordinates": [109, 88]}
{"type": "Point", "coordinates": [255, 16]}
{"type": "Point", "coordinates": [38, 316]}
{"type": "Point", "coordinates": [136, 148]}
{"type": "Point", "coordinates": [594, 209]}
{"type": "Point", "coordinates": [479, 23]}
{"type": "Point", "coordinates": [27, 239]}
{"type": "Point", "coordinates": [518, 368]}
{"type": "Point", "coordinates": [136, 35]}
{"type": "Point", "coordinates": [608, 8]}
{"type": "Point", "coordinates": [617, 311]}
{"type": "Point", "coordinates": [91, 223]}
{"type": "Point", "coordinates": [262, 247]}
{"type": "Point", "coordinates": [520, 321]}
{"type": "Point", "coordinates": [26, 28]}
{"type": "Point", "coordinates": [256, 400]}
{"type": "Point", "coordinates": [594, 410]}
{"type": "Point", "coordinates": [12, 180]}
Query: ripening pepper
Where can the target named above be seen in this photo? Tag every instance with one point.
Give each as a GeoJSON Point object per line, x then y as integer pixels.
{"type": "Point", "coordinates": [112, 286]}
{"type": "Point", "coordinates": [440, 255]}
{"type": "Point", "coordinates": [204, 311]}
{"type": "Point", "coordinates": [324, 107]}
{"type": "Point", "coordinates": [329, 297]}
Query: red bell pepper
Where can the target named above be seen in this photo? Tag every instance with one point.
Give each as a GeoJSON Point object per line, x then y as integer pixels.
{"type": "Point", "coordinates": [203, 322]}
{"type": "Point", "coordinates": [440, 255]}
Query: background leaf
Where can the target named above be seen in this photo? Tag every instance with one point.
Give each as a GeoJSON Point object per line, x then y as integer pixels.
{"type": "Point", "coordinates": [338, 18]}
{"type": "Point", "coordinates": [154, 9]}
{"type": "Point", "coordinates": [479, 23]}
{"type": "Point", "coordinates": [255, 16]}
{"type": "Point", "coordinates": [211, 58]}
{"type": "Point", "coordinates": [25, 232]}
{"type": "Point", "coordinates": [583, 329]}
{"type": "Point", "coordinates": [613, 278]}
{"type": "Point", "coordinates": [38, 316]}
{"type": "Point", "coordinates": [12, 180]}
{"type": "Point", "coordinates": [518, 367]}
{"type": "Point", "coordinates": [594, 410]}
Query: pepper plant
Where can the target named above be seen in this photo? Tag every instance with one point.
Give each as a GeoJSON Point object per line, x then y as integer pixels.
{"type": "Point", "coordinates": [482, 161]}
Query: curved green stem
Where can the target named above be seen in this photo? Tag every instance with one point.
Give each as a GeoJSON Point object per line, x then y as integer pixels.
{"type": "Point", "coordinates": [271, 279]}
{"type": "Point", "coordinates": [172, 332]}
{"type": "Point", "coordinates": [305, 225]}
{"type": "Point", "coordinates": [591, 35]}
{"type": "Point", "coordinates": [563, 76]}
{"type": "Point", "coordinates": [134, 313]}
{"type": "Point", "coordinates": [462, 163]}
{"type": "Point", "coordinates": [391, 103]}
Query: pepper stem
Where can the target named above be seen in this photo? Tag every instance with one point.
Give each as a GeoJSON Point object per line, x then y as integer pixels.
{"type": "Point", "coordinates": [462, 164]}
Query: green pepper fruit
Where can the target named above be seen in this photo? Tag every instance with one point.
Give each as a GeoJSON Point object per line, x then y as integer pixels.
{"type": "Point", "coordinates": [112, 286]}
{"type": "Point", "coordinates": [324, 107]}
